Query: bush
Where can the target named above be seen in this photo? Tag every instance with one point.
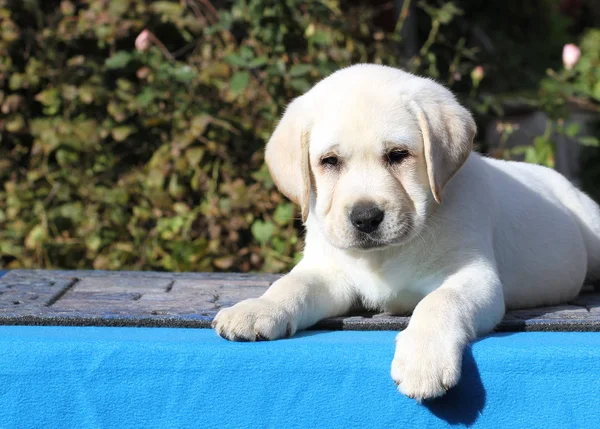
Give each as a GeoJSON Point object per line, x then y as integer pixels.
{"type": "Point", "coordinates": [117, 158]}
{"type": "Point", "coordinates": [114, 158]}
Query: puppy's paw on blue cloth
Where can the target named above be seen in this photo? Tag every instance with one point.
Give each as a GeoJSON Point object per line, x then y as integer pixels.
{"type": "Point", "coordinates": [424, 366]}
{"type": "Point", "coordinates": [254, 320]}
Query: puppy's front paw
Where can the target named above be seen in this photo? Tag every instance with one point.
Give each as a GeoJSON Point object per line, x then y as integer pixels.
{"type": "Point", "coordinates": [425, 366]}
{"type": "Point", "coordinates": [254, 320]}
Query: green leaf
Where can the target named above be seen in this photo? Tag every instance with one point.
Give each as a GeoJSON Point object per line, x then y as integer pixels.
{"type": "Point", "coordinates": [320, 38]}
{"type": "Point", "coordinates": [284, 213]}
{"type": "Point", "coordinates": [262, 231]}
{"type": "Point", "coordinates": [167, 8]}
{"type": "Point", "coordinates": [117, 111]}
{"type": "Point", "coordinates": [258, 62]}
{"type": "Point", "coordinates": [35, 237]}
{"type": "Point", "coordinates": [117, 7]}
{"type": "Point", "coordinates": [124, 85]}
{"type": "Point", "coordinates": [121, 133]}
{"type": "Point", "coordinates": [572, 130]}
{"type": "Point", "coordinates": [185, 74]}
{"type": "Point", "coordinates": [279, 245]}
{"type": "Point", "coordinates": [118, 60]}
{"type": "Point", "coordinates": [198, 124]}
{"type": "Point", "coordinates": [176, 190]}
{"type": "Point", "coordinates": [87, 94]}
{"type": "Point", "coordinates": [300, 84]}
{"type": "Point", "coordinates": [93, 242]}
{"type": "Point", "coordinates": [530, 155]}
{"type": "Point", "coordinates": [235, 60]}
{"type": "Point", "coordinates": [596, 91]}
{"type": "Point", "coordinates": [48, 97]}
{"type": "Point", "coordinates": [300, 70]}
{"type": "Point", "coordinates": [51, 100]}
{"type": "Point", "coordinates": [541, 143]}
{"type": "Point", "coordinates": [239, 82]}
{"type": "Point", "coordinates": [145, 97]}
{"type": "Point", "coordinates": [263, 175]}
{"type": "Point", "coordinates": [589, 141]}
{"type": "Point", "coordinates": [194, 155]}
{"type": "Point", "coordinates": [86, 131]}
{"type": "Point", "coordinates": [447, 12]}
{"type": "Point", "coordinates": [66, 158]}
{"type": "Point", "coordinates": [246, 52]}
{"type": "Point", "coordinates": [298, 257]}
{"type": "Point", "coordinates": [16, 81]}
{"type": "Point", "coordinates": [14, 124]}
{"type": "Point", "coordinates": [519, 150]}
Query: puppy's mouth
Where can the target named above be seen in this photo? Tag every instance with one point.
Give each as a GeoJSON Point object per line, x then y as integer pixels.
{"type": "Point", "coordinates": [376, 241]}
{"type": "Point", "coordinates": [366, 242]}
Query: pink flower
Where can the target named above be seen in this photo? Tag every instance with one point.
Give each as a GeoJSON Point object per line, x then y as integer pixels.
{"type": "Point", "coordinates": [570, 55]}
{"type": "Point", "coordinates": [477, 74]}
{"type": "Point", "coordinates": [143, 41]}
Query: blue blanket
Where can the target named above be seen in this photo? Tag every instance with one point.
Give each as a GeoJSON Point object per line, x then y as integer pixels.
{"type": "Point", "coordinates": [59, 377]}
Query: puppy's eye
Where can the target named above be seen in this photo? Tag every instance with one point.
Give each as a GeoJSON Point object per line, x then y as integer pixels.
{"type": "Point", "coordinates": [331, 161]}
{"type": "Point", "coordinates": [396, 156]}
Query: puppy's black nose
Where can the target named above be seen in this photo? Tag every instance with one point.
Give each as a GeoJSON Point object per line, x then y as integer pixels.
{"type": "Point", "coordinates": [366, 217]}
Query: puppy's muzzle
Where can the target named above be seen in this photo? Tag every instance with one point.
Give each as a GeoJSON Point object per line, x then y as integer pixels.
{"type": "Point", "coordinates": [366, 217]}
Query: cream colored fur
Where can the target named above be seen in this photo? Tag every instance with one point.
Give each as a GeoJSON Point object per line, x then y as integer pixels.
{"type": "Point", "coordinates": [462, 238]}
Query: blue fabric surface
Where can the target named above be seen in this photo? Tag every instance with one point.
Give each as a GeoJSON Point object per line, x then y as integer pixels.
{"type": "Point", "coordinates": [59, 377]}
{"type": "Point", "coordinates": [2, 273]}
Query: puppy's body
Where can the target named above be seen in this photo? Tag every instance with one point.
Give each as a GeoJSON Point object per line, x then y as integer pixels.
{"type": "Point", "coordinates": [528, 220]}
{"type": "Point", "coordinates": [366, 154]}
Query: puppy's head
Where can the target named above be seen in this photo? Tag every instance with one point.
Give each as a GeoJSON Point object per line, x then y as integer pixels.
{"type": "Point", "coordinates": [367, 150]}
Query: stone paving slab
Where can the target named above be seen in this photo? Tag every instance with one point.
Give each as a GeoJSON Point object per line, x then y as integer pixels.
{"type": "Point", "coordinates": [124, 298]}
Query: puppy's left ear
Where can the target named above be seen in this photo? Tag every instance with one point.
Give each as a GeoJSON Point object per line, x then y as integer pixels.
{"type": "Point", "coordinates": [448, 130]}
{"type": "Point", "coordinates": [287, 155]}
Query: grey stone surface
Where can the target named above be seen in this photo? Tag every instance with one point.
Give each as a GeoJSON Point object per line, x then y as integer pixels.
{"type": "Point", "coordinates": [100, 298]}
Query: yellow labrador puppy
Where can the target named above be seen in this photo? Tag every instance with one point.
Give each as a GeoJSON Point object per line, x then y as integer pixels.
{"type": "Point", "coordinates": [402, 217]}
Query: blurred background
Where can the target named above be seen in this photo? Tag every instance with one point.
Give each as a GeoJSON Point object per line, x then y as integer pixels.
{"type": "Point", "coordinates": [132, 131]}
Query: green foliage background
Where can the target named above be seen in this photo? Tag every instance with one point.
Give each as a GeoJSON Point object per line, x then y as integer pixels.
{"type": "Point", "coordinates": [114, 158]}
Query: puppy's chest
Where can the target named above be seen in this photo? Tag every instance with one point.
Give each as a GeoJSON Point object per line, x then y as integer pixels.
{"type": "Point", "coordinates": [396, 287]}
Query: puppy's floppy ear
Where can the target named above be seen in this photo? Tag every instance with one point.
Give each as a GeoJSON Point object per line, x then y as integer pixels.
{"type": "Point", "coordinates": [448, 130]}
{"type": "Point", "coordinates": [287, 155]}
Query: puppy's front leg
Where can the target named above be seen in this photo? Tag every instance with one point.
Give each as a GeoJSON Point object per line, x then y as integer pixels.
{"type": "Point", "coordinates": [429, 351]}
{"type": "Point", "coordinates": [296, 301]}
